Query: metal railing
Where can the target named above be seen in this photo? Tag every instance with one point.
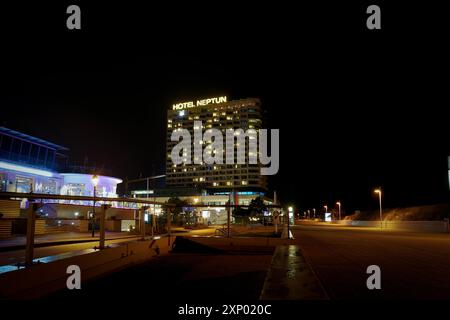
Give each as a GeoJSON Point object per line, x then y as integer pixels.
{"type": "Point", "coordinates": [33, 209]}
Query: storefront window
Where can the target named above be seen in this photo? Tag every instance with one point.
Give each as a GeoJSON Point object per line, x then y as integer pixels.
{"type": "Point", "coordinates": [75, 189]}
{"type": "Point", "coordinates": [51, 187]}
{"type": "Point", "coordinates": [2, 182]}
{"type": "Point", "coordinates": [24, 185]}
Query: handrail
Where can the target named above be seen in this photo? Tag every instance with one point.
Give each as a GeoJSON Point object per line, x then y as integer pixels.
{"type": "Point", "coordinates": [118, 199]}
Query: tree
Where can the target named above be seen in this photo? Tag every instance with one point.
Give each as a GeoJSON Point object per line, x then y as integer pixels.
{"type": "Point", "coordinates": [257, 206]}
{"type": "Point", "coordinates": [179, 209]}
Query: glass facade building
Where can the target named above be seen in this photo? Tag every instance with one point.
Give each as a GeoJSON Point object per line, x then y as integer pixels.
{"type": "Point", "coordinates": [32, 165]}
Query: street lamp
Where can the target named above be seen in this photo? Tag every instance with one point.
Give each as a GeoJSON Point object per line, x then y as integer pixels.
{"type": "Point", "coordinates": [314, 211]}
{"type": "Point", "coordinates": [339, 204]}
{"type": "Point", "coordinates": [94, 183]}
{"type": "Point", "coordinates": [381, 210]}
{"type": "Point", "coordinates": [290, 213]}
{"type": "Point", "coordinates": [326, 209]}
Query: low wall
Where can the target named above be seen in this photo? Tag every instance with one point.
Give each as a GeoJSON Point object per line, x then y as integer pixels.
{"type": "Point", "coordinates": [67, 211]}
{"type": "Point", "coordinates": [239, 243]}
{"type": "Point", "coordinates": [45, 278]}
{"type": "Point", "coordinates": [411, 226]}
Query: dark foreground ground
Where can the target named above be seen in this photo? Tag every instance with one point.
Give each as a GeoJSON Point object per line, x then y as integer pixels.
{"type": "Point", "coordinates": [182, 277]}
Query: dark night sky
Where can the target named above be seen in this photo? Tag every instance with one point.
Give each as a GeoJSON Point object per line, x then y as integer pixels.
{"type": "Point", "coordinates": [355, 109]}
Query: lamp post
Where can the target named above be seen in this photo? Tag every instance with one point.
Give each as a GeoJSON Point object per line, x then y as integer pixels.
{"type": "Point", "coordinates": [95, 183]}
{"type": "Point", "coordinates": [381, 209]}
{"type": "Point", "coordinates": [339, 205]}
{"type": "Point", "coordinates": [314, 212]}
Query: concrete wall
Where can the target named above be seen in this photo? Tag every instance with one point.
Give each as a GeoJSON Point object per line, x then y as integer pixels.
{"type": "Point", "coordinates": [39, 226]}
{"type": "Point", "coordinates": [5, 228]}
{"type": "Point", "coordinates": [410, 226]}
{"type": "Point", "coordinates": [42, 279]}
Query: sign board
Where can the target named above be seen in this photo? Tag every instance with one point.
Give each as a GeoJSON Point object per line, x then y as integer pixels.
{"type": "Point", "coordinates": [199, 103]}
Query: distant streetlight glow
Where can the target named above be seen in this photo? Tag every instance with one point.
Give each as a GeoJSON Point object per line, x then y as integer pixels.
{"type": "Point", "coordinates": [339, 204]}
{"type": "Point", "coordinates": [381, 210]}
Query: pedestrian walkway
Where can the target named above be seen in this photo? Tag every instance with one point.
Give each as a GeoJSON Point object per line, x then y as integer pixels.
{"type": "Point", "coordinates": [291, 278]}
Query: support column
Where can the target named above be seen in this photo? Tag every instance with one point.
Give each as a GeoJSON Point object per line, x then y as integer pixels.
{"type": "Point", "coordinates": [228, 220]}
{"type": "Point", "coordinates": [104, 207]}
{"type": "Point", "coordinates": [169, 222]}
{"type": "Point", "coordinates": [31, 220]}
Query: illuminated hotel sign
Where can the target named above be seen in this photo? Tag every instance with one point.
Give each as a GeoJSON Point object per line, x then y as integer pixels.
{"type": "Point", "coordinates": [199, 103]}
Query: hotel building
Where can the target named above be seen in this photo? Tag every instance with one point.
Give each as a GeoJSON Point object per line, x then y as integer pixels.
{"type": "Point", "coordinates": [220, 114]}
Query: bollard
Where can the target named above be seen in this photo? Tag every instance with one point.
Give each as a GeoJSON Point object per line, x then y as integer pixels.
{"type": "Point", "coordinates": [142, 221]}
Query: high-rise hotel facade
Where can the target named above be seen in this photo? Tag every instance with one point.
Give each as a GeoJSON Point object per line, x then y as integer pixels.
{"type": "Point", "coordinates": [220, 114]}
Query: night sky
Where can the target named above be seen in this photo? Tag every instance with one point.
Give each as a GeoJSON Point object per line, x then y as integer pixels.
{"type": "Point", "coordinates": [355, 109]}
